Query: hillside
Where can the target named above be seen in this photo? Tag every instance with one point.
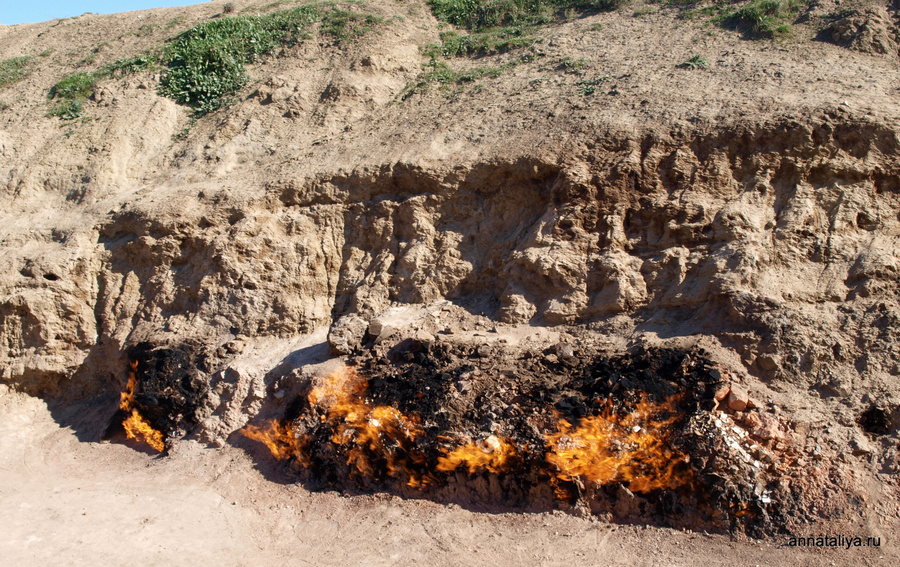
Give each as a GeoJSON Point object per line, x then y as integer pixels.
{"type": "Point", "coordinates": [599, 267]}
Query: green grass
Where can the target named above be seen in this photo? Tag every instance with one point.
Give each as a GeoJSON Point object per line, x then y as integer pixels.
{"type": "Point", "coordinates": [71, 92]}
{"type": "Point", "coordinates": [130, 65]}
{"type": "Point", "coordinates": [572, 66]}
{"type": "Point", "coordinates": [695, 62]}
{"type": "Point", "coordinates": [498, 26]}
{"type": "Point", "coordinates": [713, 11]}
{"type": "Point", "coordinates": [762, 18]}
{"type": "Point", "coordinates": [479, 15]}
{"type": "Point", "coordinates": [66, 109]}
{"type": "Point", "coordinates": [446, 77]}
{"type": "Point", "coordinates": [496, 40]}
{"type": "Point", "coordinates": [343, 25]}
{"type": "Point", "coordinates": [74, 87]}
{"type": "Point", "coordinates": [175, 22]}
{"type": "Point", "coordinates": [587, 87]}
{"type": "Point", "coordinates": [13, 70]}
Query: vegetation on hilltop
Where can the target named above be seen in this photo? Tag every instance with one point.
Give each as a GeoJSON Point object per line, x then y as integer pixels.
{"type": "Point", "coordinates": [204, 66]}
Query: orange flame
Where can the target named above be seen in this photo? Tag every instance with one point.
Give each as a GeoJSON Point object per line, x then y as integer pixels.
{"type": "Point", "coordinates": [280, 439]}
{"type": "Point", "coordinates": [493, 454]}
{"type": "Point", "coordinates": [633, 448]}
{"type": "Point", "coordinates": [382, 432]}
{"type": "Point", "coordinates": [610, 448]}
{"type": "Point", "coordinates": [136, 427]}
{"type": "Point", "coordinates": [373, 433]}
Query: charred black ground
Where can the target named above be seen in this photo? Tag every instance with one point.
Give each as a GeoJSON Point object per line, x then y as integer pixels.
{"type": "Point", "coordinates": [170, 388]}
{"type": "Point", "coordinates": [456, 394]}
{"type": "Point", "coordinates": [472, 392]}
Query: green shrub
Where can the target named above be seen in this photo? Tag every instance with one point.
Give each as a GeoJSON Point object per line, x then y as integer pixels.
{"type": "Point", "coordinates": [204, 66]}
{"type": "Point", "coordinates": [13, 70]}
{"type": "Point", "coordinates": [206, 63]}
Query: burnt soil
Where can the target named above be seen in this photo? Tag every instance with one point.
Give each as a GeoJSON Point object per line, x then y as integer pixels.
{"type": "Point", "coordinates": [470, 392]}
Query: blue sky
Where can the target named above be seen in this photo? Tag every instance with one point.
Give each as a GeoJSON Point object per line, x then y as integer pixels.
{"type": "Point", "coordinates": [30, 11]}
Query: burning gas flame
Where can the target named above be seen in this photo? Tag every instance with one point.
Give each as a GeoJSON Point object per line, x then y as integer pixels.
{"type": "Point", "coordinates": [281, 440]}
{"type": "Point", "coordinates": [493, 454]}
{"type": "Point", "coordinates": [632, 449]}
{"type": "Point", "coordinates": [377, 437]}
{"type": "Point", "coordinates": [379, 433]}
{"type": "Point", "coordinates": [136, 427]}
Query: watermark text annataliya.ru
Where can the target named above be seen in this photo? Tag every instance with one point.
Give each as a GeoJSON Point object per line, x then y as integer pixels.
{"type": "Point", "coordinates": [842, 541]}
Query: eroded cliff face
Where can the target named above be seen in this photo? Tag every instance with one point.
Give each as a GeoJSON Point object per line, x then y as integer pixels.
{"type": "Point", "coordinates": [780, 241]}
{"type": "Point", "coordinates": [321, 202]}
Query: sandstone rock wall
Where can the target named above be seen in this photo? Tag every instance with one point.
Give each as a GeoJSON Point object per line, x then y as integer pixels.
{"type": "Point", "coordinates": [781, 241]}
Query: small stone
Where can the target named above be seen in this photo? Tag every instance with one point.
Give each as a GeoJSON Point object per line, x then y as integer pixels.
{"type": "Point", "coordinates": [346, 335]}
{"type": "Point", "coordinates": [859, 445]}
{"type": "Point", "coordinates": [380, 330]}
{"type": "Point", "coordinates": [768, 428]}
{"type": "Point", "coordinates": [767, 362]}
{"type": "Point", "coordinates": [424, 336]}
{"type": "Point", "coordinates": [752, 420]}
{"type": "Point", "coordinates": [738, 398]}
{"type": "Point", "coordinates": [722, 392]}
{"type": "Point", "coordinates": [564, 350]}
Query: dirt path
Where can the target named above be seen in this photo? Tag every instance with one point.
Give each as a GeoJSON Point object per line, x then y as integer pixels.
{"type": "Point", "coordinates": [65, 502]}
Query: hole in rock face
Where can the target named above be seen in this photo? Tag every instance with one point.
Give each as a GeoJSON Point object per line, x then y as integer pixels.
{"type": "Point", "coordinates": [51, 277]}
{"type": "Point", "coordinates": [876, 421]}
{"type": "Point", "coordinates": [631, 435]}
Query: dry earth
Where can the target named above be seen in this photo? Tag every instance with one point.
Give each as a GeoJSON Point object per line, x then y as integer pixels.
{"type": "Point", "coordinates": [751, 207]}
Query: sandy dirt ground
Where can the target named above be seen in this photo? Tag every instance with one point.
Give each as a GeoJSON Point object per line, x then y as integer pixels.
{"type": "Point", "coordinates": [69, 502]}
